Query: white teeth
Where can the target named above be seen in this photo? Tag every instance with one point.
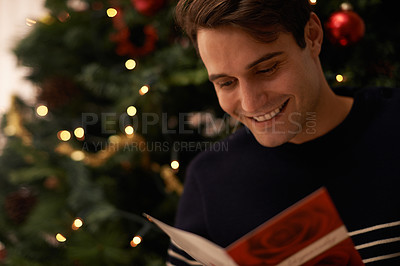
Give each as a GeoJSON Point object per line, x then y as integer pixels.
{"type": "Point", "coordinates": [270, 115]}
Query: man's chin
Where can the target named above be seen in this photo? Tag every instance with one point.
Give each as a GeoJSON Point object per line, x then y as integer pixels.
{"type": "Point", "coordinates": [272, 140]}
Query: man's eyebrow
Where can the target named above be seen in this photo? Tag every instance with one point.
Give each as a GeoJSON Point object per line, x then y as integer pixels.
{"type": "Point", "coordinates": [216, 76]}
{"type": "Point", "coordinates": [263, 58]}
{"type": "Point", "coordinates": [252, 64]}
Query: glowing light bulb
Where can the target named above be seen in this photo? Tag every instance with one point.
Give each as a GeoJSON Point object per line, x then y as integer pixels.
{"type": "Point", "coordinates": [77, 224]}
{"type": "Point", "coordinates": [129, 130]}
{"type": "Point", "coordinates": [130, 64]}
{"type": "Point", "coordinates": [64, 135]}
{"type": "Point", "coordinates": [175, 164]}
{"type": "Point", "coordinates": [143, 90]}
{"type": "Point", "coordinates": [131, 110]}
{"type": "Point", "coordinates": [42, 110]}
{"type": "Point", "coordinates": [112, 12]}
{"type": "Point", "coordinates": [339, 78]}
{"type": "Point", "coordinates": [136, 241]}
{"type": "Point", "coordinates": [60, 238]}
{"type": "Point", "coordinates": [77, 156]}
{"type": "Point", "coordinates": [79, 132]}
{"type": "Point", "coordinates": [313, 2]}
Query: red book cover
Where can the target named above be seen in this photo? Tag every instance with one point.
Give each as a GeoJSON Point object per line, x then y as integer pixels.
{"type": "Point", "coordinates": [308, 233]}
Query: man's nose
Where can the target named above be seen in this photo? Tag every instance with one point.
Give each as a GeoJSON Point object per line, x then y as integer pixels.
{"type": "Point", "coordinates": [252, 97]}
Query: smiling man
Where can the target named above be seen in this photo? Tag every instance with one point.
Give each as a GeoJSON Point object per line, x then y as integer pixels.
{"type": "Point", "coordinates": [263, 59]}
{"type": "Point", "coordinates": [270, 88]}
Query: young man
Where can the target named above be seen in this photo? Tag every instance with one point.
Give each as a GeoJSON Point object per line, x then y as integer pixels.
{"type": "Point", "coordinates": [263, 59]}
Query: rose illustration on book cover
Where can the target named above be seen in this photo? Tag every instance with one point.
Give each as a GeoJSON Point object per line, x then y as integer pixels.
{"type": "Point", "coordinates": [341, 254]}
{"type": "Point", "coordinates": [293, 231]}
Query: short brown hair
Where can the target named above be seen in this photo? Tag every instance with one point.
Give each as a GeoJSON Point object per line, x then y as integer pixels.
{"type": "Point", "coordinates": [262, 19]}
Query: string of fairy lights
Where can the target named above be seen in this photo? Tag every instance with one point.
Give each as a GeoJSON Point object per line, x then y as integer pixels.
{"type": "Point", "coordinates": [78, 223]}
{"type": "Point", "coordinates": [78, 155]}
{"type": "Point", "coordinates": [64, 135]}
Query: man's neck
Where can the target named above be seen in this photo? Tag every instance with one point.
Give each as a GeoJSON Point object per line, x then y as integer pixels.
{"type": "Point", "coordinates": [331, 112]}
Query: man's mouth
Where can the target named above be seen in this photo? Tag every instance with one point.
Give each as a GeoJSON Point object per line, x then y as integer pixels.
{"type": "Point", "coordinates": [271, 114]}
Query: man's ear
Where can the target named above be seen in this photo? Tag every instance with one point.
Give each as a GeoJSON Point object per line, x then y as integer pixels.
{"type": "Point", "coordinates": [313, 34]}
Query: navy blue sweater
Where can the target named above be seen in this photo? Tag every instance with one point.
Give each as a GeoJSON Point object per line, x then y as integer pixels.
{"type": "Point", "coordinates": [240, 184]}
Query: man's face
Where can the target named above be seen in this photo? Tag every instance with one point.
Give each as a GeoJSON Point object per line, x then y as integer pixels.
{"type": "Point", "coordinates": [270, 87]}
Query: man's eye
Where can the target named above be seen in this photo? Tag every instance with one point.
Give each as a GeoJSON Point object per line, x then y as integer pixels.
{"type": "Point", "coordinates": [268, 70]}
{"type": "Point", "coordinates": [225, 84]}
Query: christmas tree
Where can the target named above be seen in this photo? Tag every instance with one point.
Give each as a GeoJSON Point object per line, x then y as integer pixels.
{"type": "Point", "coordinates": [123, 104]}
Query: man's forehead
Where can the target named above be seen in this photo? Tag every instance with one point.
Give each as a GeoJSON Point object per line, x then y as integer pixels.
{"type": "Point", "coordinates": [224, 33]}
{"type": "Point", "coordinates": [230, 41]}
{"type": "Point", "coordinates": [265, 35]}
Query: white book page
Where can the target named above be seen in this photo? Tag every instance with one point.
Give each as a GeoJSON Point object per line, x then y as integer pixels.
{"type": "Point", "coordinates": [201, 249]}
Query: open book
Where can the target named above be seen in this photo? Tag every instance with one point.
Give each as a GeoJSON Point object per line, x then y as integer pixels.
{"type": "Point", "coordinates": [309, 232]}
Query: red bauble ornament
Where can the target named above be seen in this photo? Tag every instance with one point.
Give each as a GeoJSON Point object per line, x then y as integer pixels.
{"type": "Point", "coordinates": [148, 7]}
{"type": "Point", "coordinates": [345, 27]}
